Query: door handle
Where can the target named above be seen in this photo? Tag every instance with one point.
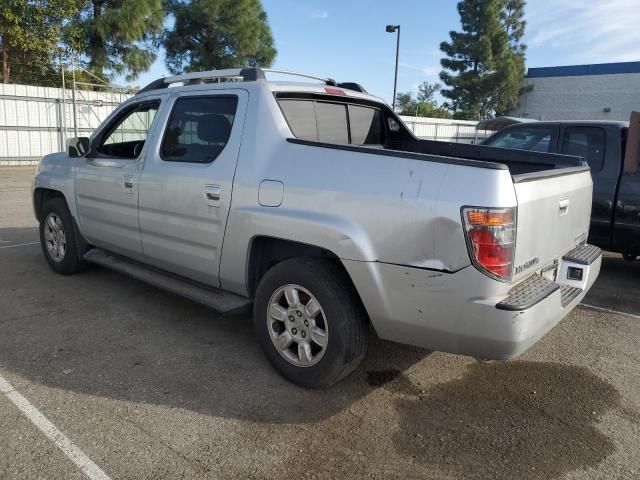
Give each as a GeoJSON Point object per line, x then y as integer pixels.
{"type": "Point", "coordinates": [127, 182]}
{"type": "Point", "coordinates": [212, 193]}
{"type": "Point", "coordinates": [563, 206]}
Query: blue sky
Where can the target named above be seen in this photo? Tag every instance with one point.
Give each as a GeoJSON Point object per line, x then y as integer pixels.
{"type": "Point", "coordinates": [346, 40]}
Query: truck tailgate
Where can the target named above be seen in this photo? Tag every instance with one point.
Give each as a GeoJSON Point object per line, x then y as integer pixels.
{"type": "Point", "coordinates": [554, 209]}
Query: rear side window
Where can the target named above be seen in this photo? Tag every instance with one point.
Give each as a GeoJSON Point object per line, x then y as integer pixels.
{"type": "Point", "coordinates": [330, 122]}
{"type": "Point", "coordinates": [536, 139]}
{"type": "Point", "coordinates": [199, 129]}
{"type": "Point", "coordinates": [366, 125]}
{"type": "Point", "coordinates": [586, 142]}
{"type": "Point", "coordinates": [301, 116]}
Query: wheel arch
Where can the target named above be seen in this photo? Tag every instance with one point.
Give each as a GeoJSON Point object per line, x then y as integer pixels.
{"type": "Point", "coordinates": [42, 195]}
{"type": "Point", "coordinates": [265, 252]}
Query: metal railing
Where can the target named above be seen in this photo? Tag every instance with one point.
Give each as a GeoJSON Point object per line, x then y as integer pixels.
{"type": "Point", "coordinates": [445, 130]}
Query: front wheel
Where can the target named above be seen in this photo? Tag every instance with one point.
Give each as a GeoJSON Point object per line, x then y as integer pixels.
{"type": "Point", "coordinates": [310, 321]}
{"type": "Point", "coordinates": [57, 238]}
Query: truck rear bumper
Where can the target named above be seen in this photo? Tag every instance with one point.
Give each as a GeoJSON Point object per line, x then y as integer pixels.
{"type": "Point", "coordinates": [466, 312]}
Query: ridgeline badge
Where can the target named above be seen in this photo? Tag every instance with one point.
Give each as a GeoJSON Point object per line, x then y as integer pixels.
{"type": "Point", "coordinates": [526, 265]}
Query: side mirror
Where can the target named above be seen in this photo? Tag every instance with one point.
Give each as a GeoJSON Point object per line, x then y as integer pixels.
{"type": "Point", "coordinates": [77, 146]}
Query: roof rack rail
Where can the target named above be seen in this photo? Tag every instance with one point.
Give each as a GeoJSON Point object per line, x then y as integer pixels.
{"type": "Point", "coordinates": [329, 81]}
{"type": "Point", "coordinates": [246, 74]}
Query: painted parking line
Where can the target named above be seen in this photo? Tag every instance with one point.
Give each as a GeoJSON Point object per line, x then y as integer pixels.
{"type": "Point", "coordinates": [608, 310]}
{"type": "Point", "coordinates": [20, 245]}
{"type": "Point", "coordinates": [77, 456]}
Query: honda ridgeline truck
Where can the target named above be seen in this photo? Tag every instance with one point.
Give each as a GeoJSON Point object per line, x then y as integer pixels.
{"type": "Point", "coordinates": [314, 203]}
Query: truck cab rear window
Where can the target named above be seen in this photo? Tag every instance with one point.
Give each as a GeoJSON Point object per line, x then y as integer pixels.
{"type": "Point", "coordinates": [586, 142]}
{"type": "Point", "coordinates": [333, 122]}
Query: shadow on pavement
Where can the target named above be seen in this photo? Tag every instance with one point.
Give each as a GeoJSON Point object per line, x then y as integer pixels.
{"type": "Point", "coordinates": [617, 286]}
{"type": "Point", "coordinates": [507, 420]}
{"type": "Point", "coordinates": [102, 333]}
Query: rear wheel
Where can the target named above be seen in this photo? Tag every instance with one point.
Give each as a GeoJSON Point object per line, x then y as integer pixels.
{"type": "Point", "coordinates": [310, 321]}
{"type": "Point", "coordinates": [57, 238]}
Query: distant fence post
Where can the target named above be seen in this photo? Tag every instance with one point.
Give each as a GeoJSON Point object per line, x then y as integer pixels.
{"type": "Point", "coordinates": [63, 112]}
{"type": "Point", "coordinates": [59, 125]}
{"type": "Point", "coordinates": [73, 100]}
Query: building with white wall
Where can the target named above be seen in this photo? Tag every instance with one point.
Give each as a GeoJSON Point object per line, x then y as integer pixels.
{"type": "Point", "coordinates": [607, 91]}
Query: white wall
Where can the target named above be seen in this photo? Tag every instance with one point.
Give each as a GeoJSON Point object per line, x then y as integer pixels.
{"type": "Point", "coordinates": [581, 97]}
{"type": "Point", "coordinates": [443, 129]}
{"type": "Point", "coordinates": [35, 121]}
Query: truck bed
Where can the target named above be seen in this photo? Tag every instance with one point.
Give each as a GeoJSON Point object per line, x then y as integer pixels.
{"type": "Point", "coordinates": [522, 163]}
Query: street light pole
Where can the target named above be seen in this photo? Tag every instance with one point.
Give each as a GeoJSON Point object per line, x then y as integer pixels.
{"type": "Point", "coordinates": [392, 29]}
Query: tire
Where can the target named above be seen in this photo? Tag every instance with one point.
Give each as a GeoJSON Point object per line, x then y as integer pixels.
{"type": "Point", "coordinates": [339, 314]}
{"type": "Point", "coordinates": [58, 239]}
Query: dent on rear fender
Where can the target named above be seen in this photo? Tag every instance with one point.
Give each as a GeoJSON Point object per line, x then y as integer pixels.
{"type": "Point", "coordinates": [342, 237]}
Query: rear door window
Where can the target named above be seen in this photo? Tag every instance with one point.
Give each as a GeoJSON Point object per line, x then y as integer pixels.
{"type": "Point", "coordinates": [537, 139]}
{"type": "Point", "coordinates": [586, 142]}
{"type": "Point", "coordinates": [198, 129]}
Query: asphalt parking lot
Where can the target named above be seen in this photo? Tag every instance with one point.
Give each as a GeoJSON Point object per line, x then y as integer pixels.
{"type": "Point", "coordinates": [148, 385]}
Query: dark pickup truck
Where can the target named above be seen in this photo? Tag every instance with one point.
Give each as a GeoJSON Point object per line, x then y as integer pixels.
{"type": "Point", "coordinates": [612, 151]}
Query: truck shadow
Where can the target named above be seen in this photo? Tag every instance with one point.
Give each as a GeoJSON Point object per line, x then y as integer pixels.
{"type": "Point", "coordinates": [103, 334]}
{"type": "Point", "coordinates": [617, 286]}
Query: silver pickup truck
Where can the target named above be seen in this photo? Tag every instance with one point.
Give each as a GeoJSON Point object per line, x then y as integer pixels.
{"type": "Point", "coordinates": [314, 203]}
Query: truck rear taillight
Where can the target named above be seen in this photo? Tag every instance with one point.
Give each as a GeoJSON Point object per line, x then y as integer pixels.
{"type": "Point", "coordinates": [490, 235]}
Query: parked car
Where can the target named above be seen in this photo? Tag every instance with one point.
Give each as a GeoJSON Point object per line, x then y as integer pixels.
{"type": "Point", "coordinates": [615, 214]}
{"type": "Point", "coordinates": [315, 203]}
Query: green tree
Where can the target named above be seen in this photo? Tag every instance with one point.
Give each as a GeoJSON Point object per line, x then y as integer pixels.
{"type": "Point", "coordinates": [422, 105]}
{"type": "Point", "coordinates": [484, 65]}
{"type": "Point", "coordinates": [427, 91]}
{"type": "Point", "coordinates": [214, 34]}
{"type": "Point", "coordinates": [512, 19]}
{"type": "Point", "coordinates": [116, 37]}
{"type": "Point", "coordinates": [404, 101]}
{"type": "Point", "coordinates": [30, 33]}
